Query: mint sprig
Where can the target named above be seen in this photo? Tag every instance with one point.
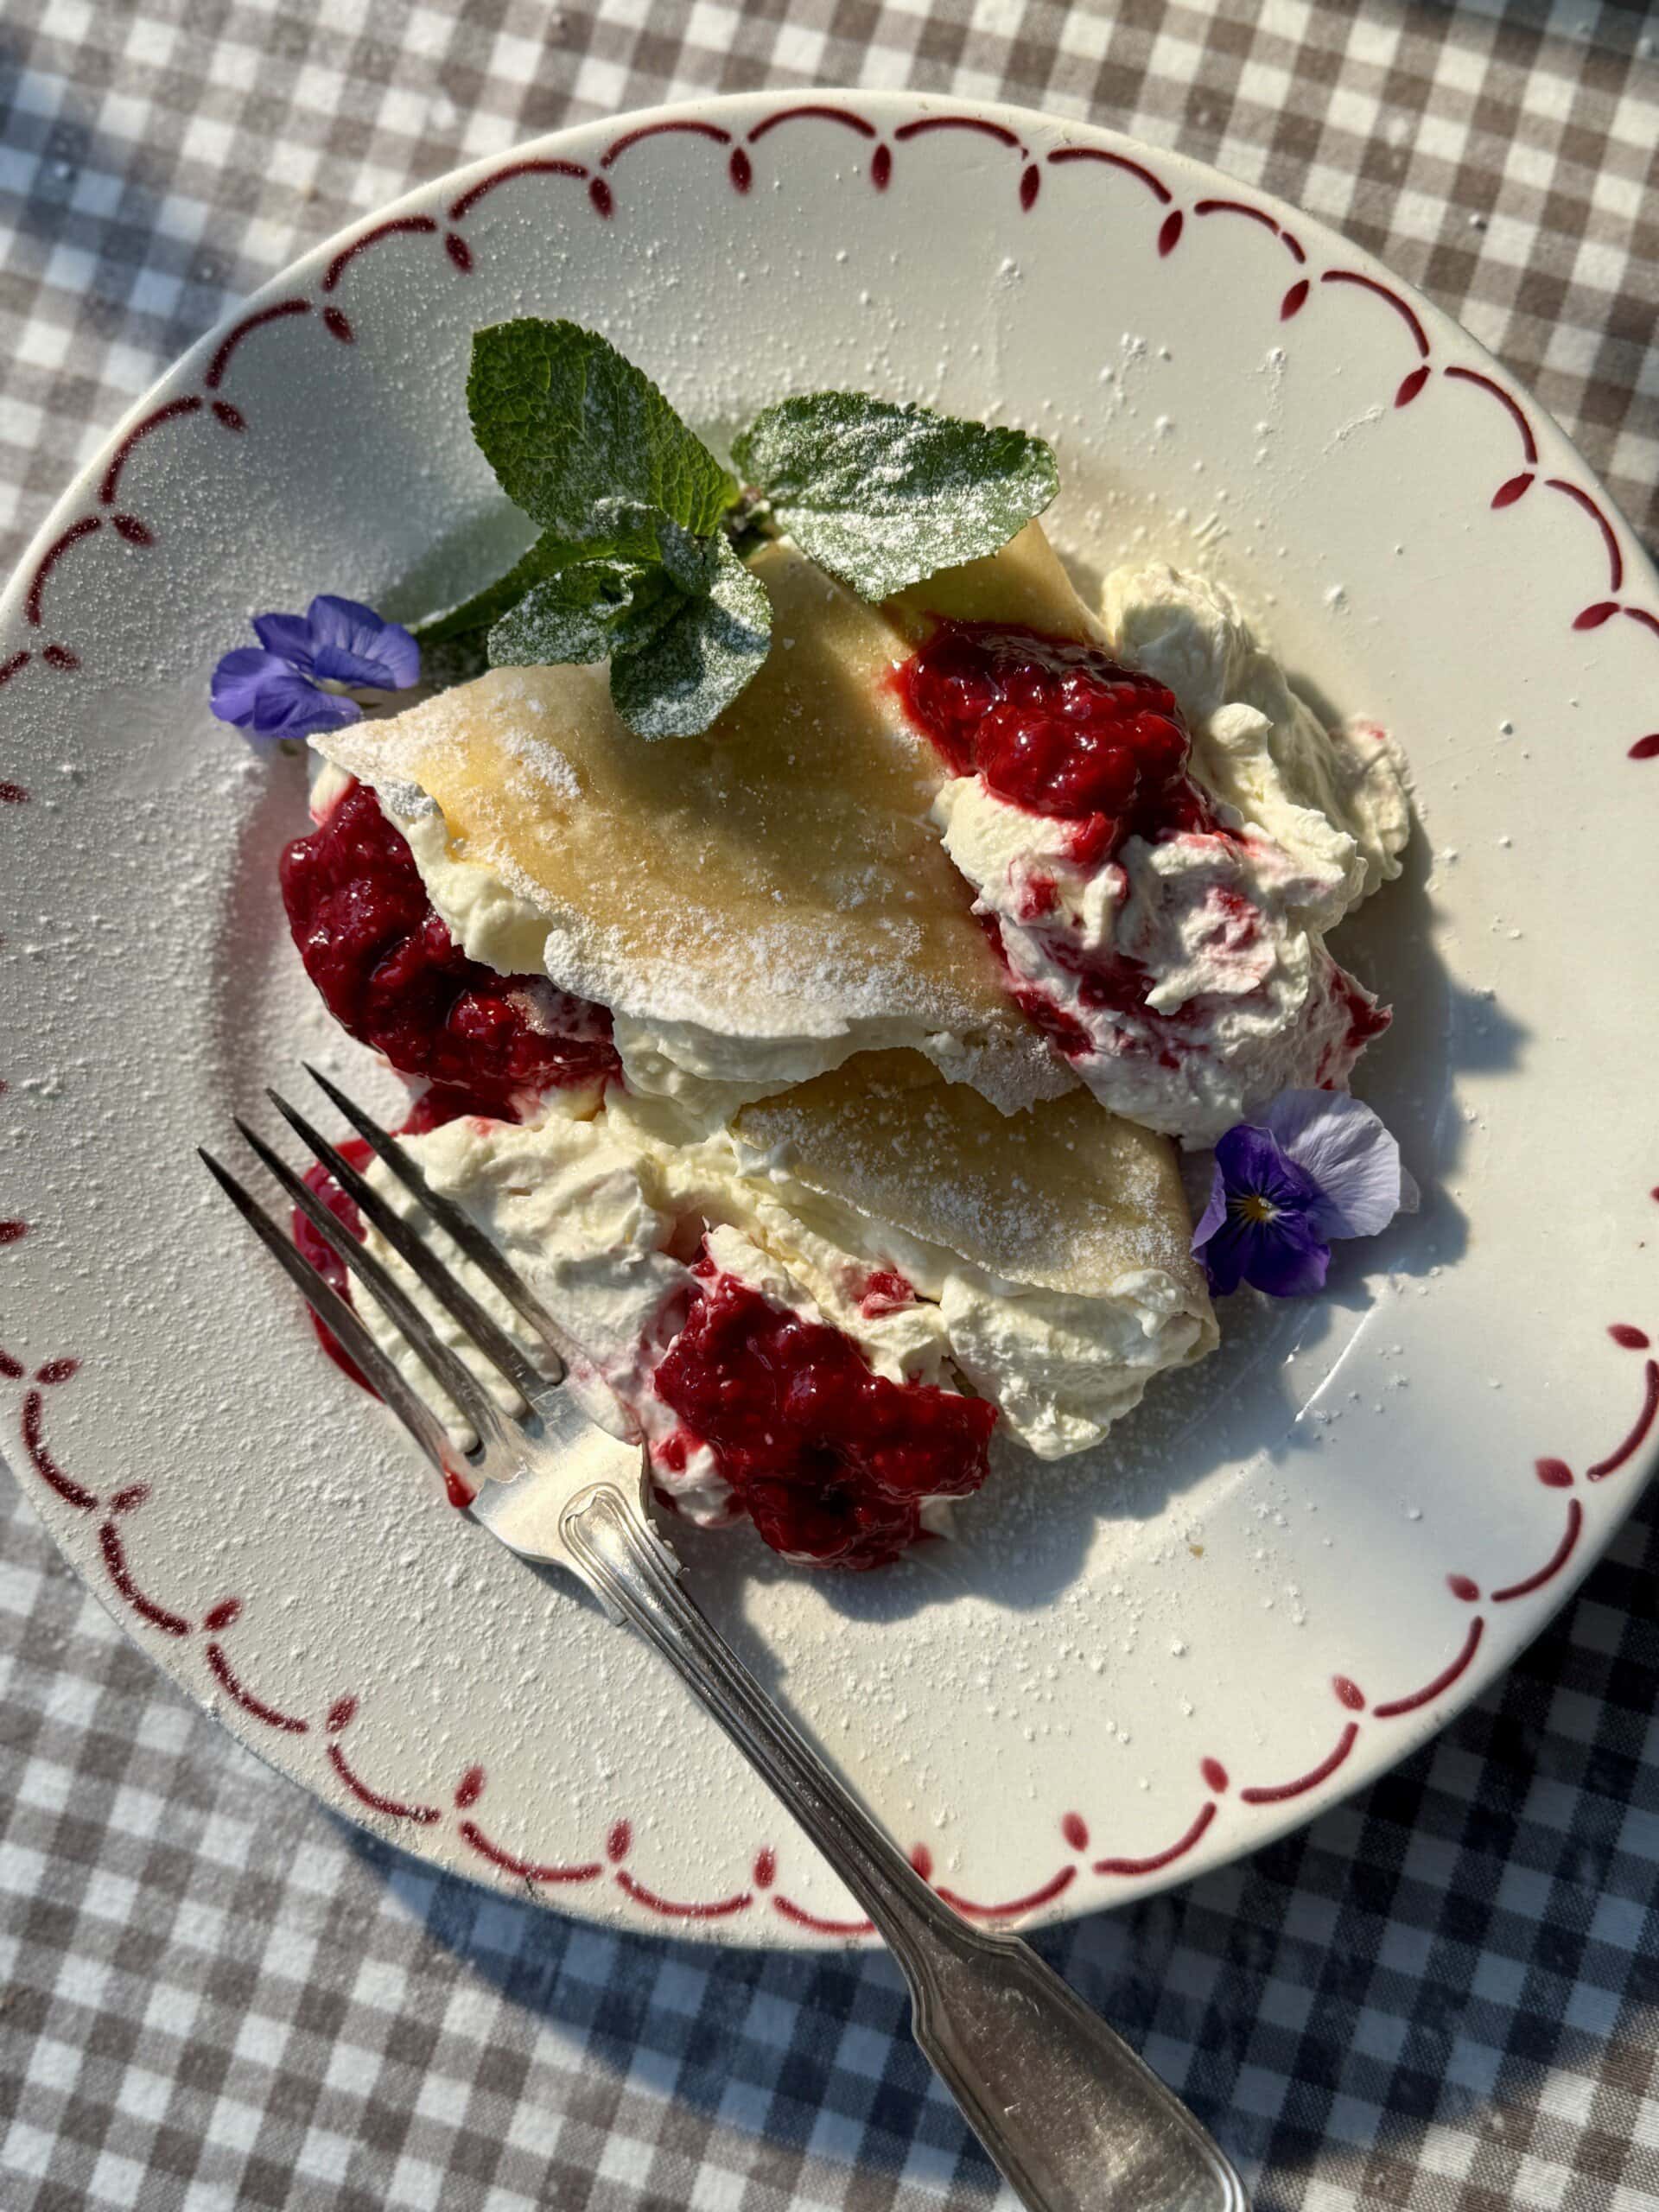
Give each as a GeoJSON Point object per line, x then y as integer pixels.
{"type": "Point", "coordinates": [651, 574]}
{"type": "Point", "coordinates": [569, 426]}
{"type": "Point", "coordinates": [584, 611]}
{"type": "Point", "coordinates": [473, 617]}
{"type": "Point", "coordinates": [883, 495]}
{"type": "Point", "coordinates": [701, 658]}
{"type": "Point", "coordinates": [636, 562]}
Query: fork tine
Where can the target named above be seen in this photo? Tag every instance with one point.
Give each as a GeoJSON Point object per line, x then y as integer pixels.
{"type": "Point", "coordinates": [338, 1317]}
{"type": "Point", "coordinates": [450, 1217]}
{"type": "Point", "coordinates": [492, 1339]}
{"type": "Point", "coordinates": [452, 1373]}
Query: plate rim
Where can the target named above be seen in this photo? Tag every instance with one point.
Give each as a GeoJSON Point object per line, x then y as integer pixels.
{"type": "Point", "coordinates": [1366, 1754]}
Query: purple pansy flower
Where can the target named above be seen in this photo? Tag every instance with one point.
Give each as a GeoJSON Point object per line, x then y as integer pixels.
{"type": "Point", "coordinates": [275, 689]}
{"type": "Point", "coordinates": [1316, 1166]}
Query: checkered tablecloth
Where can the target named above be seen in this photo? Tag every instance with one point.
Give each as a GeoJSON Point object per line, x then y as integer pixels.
{"type": "Point", "coordinates": [213, 1993]}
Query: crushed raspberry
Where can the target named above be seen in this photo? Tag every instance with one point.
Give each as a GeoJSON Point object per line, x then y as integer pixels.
{"type": "Point", "coordinates": [327, 1264]}
{"type": "Point", "coordinates": [886, 1292]}
{"type": "Point", "coordinates": [1060, 729]}
{"type": "Point", "coordinates": [392, 975]}
{"type": "Point", "coordinates": [830, 1460]}
{"type": "Point", "coordinates": [1040, 895]}
{"type": "Point", "coordinates": [1366, 1021]}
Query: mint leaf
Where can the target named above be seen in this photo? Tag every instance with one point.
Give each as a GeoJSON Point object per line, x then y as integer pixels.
{"type": "Point", "coordinates": [568, 425]}
{"type": "Point", "coordinates": [584, 611]}
{"type": "Point", "coordinates": [622, 530]}
{"type": "Point", "coordinates": [677, 682]}
{"type": "Point", "coordinates": [548, 553]}
{"type": "Point", "coordinates": [631, 531]}
{"type": "Point", "coordinates": [883, 495]}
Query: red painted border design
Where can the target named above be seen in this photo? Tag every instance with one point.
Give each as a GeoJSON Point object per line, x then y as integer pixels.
{"type": "Point", "coordinates": [214, 374]}
{"type": "Point", "coordinates": [174, 408]}
{"type": "Point", "coordinates": [85, 527]}
{"type": "Point", "coordinates": [1403, 308]}
{"type": "Point", "coordinates": [1592, 508]}
{"type": "Point", "coordinates": [1444, 1680]}
{"type": "Point", "coordinates": [1074, 1830]}
{"type": "Point", "coordinates": [675, 1909]}
{"type": "Point", "coordinates": [1276, 1793]}
{"type": "Point", "coordinates": [120, 1574]}
{"type": "Point", "coordinates": [1633, 1442]}
{"type": "Point", "coordinates": [1157, 1860]}
{"type": "Point", "coordinates": [1292, 245]}
{"type": "Point", "coordinates": [1553, 1473]}
{"type": "Point", "coordinates": [686, 125]}
{"type": "Point", "coordinates": [400, 225]}
{"type": "Point", "coordinates": [1160, 191]}
{"type": "Point", "coordinates": [819, 110]}
{"type": "Point", "coordinates": [924, 124]}
{"type": "Point", "coordinates": [220, 1667]}
{"type": "Point", "coordinates": [72, 1492]}
{"type": "Point", "coordinates": [525, 1870]}
{"type": "Point", "coordinates": [460, 208]}
{"type": "Point", "coordinates": [1512, 407]}
{"type": "Point", "coordinates": [1553, 1566]}
{"type": "Point", "coordinates": [397, 1808]}
{"type": "Point", "coordinates": [1032, 1901]}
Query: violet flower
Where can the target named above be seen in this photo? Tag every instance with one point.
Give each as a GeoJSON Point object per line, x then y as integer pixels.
{"type": "Point", "coordinates": [275, 689]}
{"type": "Point", "coordinates": [1316, 1166]}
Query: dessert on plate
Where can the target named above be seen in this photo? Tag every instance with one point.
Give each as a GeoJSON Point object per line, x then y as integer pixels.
{"type": "Point", "coordinates": [812, 935]}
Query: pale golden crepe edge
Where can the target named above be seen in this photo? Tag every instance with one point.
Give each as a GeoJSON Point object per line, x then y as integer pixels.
{"type": "Point", "coordinates": [1122, 1209]}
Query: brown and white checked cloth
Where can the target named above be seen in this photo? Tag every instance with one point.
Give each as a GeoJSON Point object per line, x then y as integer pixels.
{"type": "Point", "coordinates": [212, 1995]}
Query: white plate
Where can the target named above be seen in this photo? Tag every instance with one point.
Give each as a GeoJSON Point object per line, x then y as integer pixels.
{"type": "Point", "coordinates": [1291, 1566]}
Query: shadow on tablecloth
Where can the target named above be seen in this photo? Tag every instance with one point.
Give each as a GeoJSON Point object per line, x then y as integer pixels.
{"type": "Point", "coordinates": [1391, 1989]}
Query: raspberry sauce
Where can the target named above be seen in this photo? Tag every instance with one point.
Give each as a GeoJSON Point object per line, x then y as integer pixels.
{"type": "Point", "coordinates": [1059, 728]}
{"type": "Point", "coordinates": [830, 1460]}
{"type": "Point", "coordinates": [323, 1258]}
{"type": "Point", "coordinates": [392, 975]}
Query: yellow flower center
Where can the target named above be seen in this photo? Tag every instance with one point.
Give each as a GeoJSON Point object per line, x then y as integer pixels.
{"type": "Point", "coordinates": [1251, 1206]}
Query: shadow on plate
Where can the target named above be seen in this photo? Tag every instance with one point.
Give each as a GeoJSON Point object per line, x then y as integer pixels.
{"type": "Point", "coordinates": [1325, 2005]}
{"type": "Point", "coordinates": [1023, 1539]}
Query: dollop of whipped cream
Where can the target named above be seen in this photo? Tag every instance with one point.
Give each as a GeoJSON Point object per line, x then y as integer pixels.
{"type": "Point", "coordinates": [1186, 979]}
{"type": "Point", "coordinates": [1335, 799]}
{"type": "Point", "coordinates": [606, 1216]}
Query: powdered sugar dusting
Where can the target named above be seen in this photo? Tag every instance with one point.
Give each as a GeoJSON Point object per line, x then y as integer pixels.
{"type": "Point", "coordinates": [777, 883]}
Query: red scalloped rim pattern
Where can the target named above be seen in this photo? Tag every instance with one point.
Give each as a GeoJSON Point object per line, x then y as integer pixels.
{"type": "Point", "coordinates": [461, 251]}
{"type": "Point", "coordinates": [535, 1873]}
{"type": "Point", "coordinates": [223, 1677]}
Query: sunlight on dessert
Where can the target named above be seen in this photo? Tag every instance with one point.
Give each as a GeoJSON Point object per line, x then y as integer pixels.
{"type": "Point", "coordinates": [808, 959]}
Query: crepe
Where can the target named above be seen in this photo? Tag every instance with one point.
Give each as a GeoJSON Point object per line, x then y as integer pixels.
{"type": "Point", "coordinates": [773, 888]}
{"type": "Point", "coordinates": [1065, 1197]}
{"type": "Point", "coordinates": [758, 903]}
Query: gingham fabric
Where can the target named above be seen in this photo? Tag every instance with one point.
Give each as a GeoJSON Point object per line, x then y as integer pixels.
{"type": "Point", "coordinates": [212, 1992]}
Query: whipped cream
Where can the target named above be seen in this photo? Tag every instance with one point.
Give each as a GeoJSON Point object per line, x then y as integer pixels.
{"type": "Point", "coordinates": [752, 908]}
{"type": "Point", "coordinates": [710, 1067]}
{"type": "Point", "coordinates": [603, 1216]}
{"type": "Point", "coordinates": [1335, 800]}
{"type": "Point", "coordinates": [712, 1058]}
{"type": "Point", "coordinates": [1187, 981]}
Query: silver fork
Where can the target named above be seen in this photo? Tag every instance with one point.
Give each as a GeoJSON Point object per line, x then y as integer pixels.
{"type": "Point", "coordinates": [1074, 2120]}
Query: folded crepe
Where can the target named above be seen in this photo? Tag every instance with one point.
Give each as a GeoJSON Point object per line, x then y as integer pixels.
{"type": "Point", "coordinates": [755, 904]}
{"type": "Point", "coordinates": [1065, 1197]}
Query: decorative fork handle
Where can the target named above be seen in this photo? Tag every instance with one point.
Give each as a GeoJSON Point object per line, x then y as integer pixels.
{"type": "Point", "coordinates": [1073, 2119]}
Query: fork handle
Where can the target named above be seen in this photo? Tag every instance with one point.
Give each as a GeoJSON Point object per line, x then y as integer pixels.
{"type": "Point", "coordinates": [1076, 2121]}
